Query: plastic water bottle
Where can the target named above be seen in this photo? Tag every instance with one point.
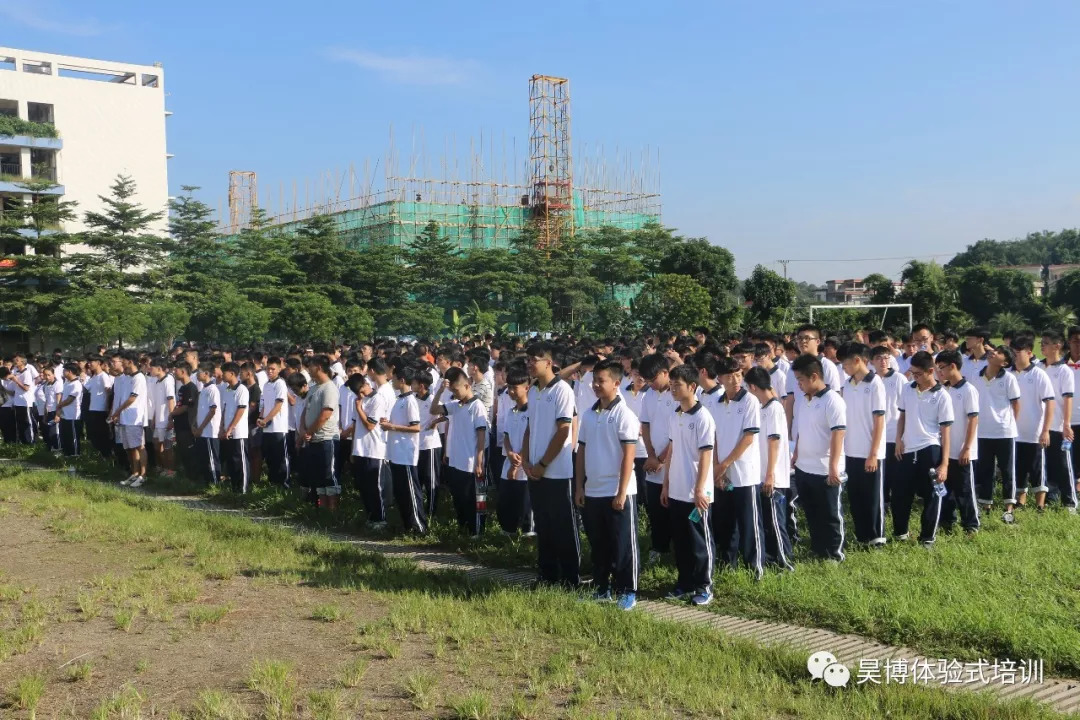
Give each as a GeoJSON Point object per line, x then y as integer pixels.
{"type": "Point", "coordinates": [695, 515]}
{"type": "Point", "coordinates": [937, 487]}
{"type": "Point", "coordinates": [1066, 445]}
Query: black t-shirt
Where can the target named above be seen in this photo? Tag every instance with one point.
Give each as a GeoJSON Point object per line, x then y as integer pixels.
{"type": "Point", "coordinates": [254, 395]}
{"type": "Point", "coordinates": [187, 397]}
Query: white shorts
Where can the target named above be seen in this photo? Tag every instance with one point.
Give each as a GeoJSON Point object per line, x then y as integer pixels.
{"type": "Point", "coordinates": [131, 436]}
{"type": "Point", "coordinates": [165, 436]}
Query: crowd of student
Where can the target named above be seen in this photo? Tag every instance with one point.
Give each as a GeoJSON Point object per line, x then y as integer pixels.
{"type": "Point", "coordinates": [723, 445]}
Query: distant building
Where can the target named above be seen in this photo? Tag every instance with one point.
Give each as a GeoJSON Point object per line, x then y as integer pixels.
{"type": "Point", "coordinates": [850, 291]}
{"type": "Point", "coordinates": [1043, 277]}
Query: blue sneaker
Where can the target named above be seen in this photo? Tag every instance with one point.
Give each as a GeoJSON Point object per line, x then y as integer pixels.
{"type": "Point", "coordinates": [626, 601]}
{"type": "Point", "coordinates": [604, 596]}
{"type": "Point", "coordinates": [702, 597]}
{"type": "Point", "coordinates": [676, 594]}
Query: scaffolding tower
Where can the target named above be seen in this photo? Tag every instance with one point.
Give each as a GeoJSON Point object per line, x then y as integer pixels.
{"type": "Point", "coordinates": [551, 192]}
{"type": "Point", "coordinates": [243, 199]}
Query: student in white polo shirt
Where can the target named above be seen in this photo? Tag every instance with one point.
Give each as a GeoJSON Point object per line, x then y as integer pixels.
{"type": "Point", "coordinates": [922, 444]}
{"type": "Point", "coordinates": [808, 339]}
{"type": "Point", "coordinates": [999, 407]}
{"type": "Point", "coordinates": [466, 444]}
{"type": "Point", "coordinates": [604, 487]}
{"type": "Point", "coordinates": [233, 446]}
{"type": "Point", "coordinates": [633, 393]}
{"type": "Point", "coordinates": [370, 470]}
{"type": "Point", "coordinates": [775, 466]}
{"type": "Point", "coordinates": [818, 427]}
{"type": "Point", "coordinates": [1033, 423]}
{"type": "Point", "coordinates": [274, 421]}
{"type": "Point", "coordinates": [975, 342]}
{"type": "Point", "coordinates": [657, 412]}
{"type": "Point", "coordinates": [24, 376]}
{"type": "Point", "coordinates": [208, 426]}
{"type": "Point", "coordinates": [70, 410]}
{"type": "Point", "coordinates": [883, 362]}
{"type": "Point", "coordinates": [864, 443]}
{"type": "Point", "coordinates": [688, 489]}
{"type": "Point", "coordinates": [964, 445]}
{"type": "Point", "coordinates": [1072, 359]}
{"type": "Point", "coordinates": [130, 419]}
{"type": "Point", "coordinates": [403, 451]}
{"type": "Point", "coordinates": [736, 511]}
{"type": "Point", "coordinates": [514, 510]}
{"type": "Point", "coordinates": [1059, 471]}
{"type": "Point", "coordinates": [547, 457]}
{"type": "Point", "coordinates": [763, 358]}
{"type": "Point", "coordinates": [99, 387]}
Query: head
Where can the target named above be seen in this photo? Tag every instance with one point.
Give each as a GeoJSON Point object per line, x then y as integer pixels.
{"type": "Point", "coordinates": [853, 357]}
{"type": "Point", "coordinates": [540, 361]}
{"type": "Point", "coordinates": [206, 372]}
{"type": "Point", "coordinates": [319, 367]}
{"type": "Point", "coordinates": [404, 377]}
{"type": "Point", "coordinates": [298, 384]}
{"type": "Point", "coordinates": [743, 355]}
{"type": "Point", "coordinates": [948, 364]}
{"type": "Point", "coordinates": [729, 373]}
{"type": "Point", "coordinates": [247, 373]}
{"type": "Point", "coordinates": [1053, 344]}
{"type": "Point", "coordinates": [975, 339]}
{"type": "Point", "coordinates": [131, 363]}
{"type": "Point", "coordinates": [159, 367]}
{"type": "Point", "coordinates": [230, 373]}
{"type": "Point", "coordinates": [950, 340]}
{"type": "Point", "coordinates": [517, 385]}
{"type": "Point", "coordinates": [458, 383]}
{"type": "Point", "coordinates": [1023, 349]}
{"type": "Point", "coordinates": [607, 375]}
{"type": "Point", "coordinates": [830, 347]}
{"type": "Point", "coordinates": [655, 370]}
{"type": "Point", "coordinates": [71, 371]}
{"type": "Point", "coordinates": [759, 383]}
{"type": "Point", "coordinates": [182, 372]}
{"type": "Point", "coordinates": [763, 355]}
{"type": "Point", "coordinates": [922, 370]}
{"type": "Point", "coordinates": [880, 359]}
{"type": "Point", "coordinates": [377, 371]}
{"type": "Point", "coordinates": [808, 339]}
{"type": "Point", "coordinates": [923, 337]}
{"type": "Point", "coordinates": [1074, 342]}
{"type": "Point", "coordinates": [273, 367]}
{"type": "Point", "coordinates": [47, 374]}
{"type": "Point", "coordinates": [683, 383]}
{"type": "Point", "coordinates": [421, 382]}
{"type": "Point", "coordinates": [808, 373]}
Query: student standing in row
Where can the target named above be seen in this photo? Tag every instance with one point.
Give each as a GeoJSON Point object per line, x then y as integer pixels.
{"type": "Point", "coordinates": [370, 470]}
{"type": "Point", "coordinates": [130, 419]}
{"type": "Point", "coordinates": [274, 422]}
{"type": "Point", "coordinates": [466, 445]}
{"type": "Point", "coordinates": [69, 411]}
{"type": "Point", "coordinates": [1033, 422]}
{"type": "Point", "coordinates": [318, 428]}
{"type": "Point", "coordinates": [162, 390]}
{"type": "Point", "coordinates": [999, 408]}
{"type": "Point", "coordinates": [514, 509]}
{"type": "Point", "coordinates": [893, 381]}
{"type": "Point", "coordinates": [208, 426]}
{"type": "Point", "coordinates": [1059, 470]}
{"type": "Point", "coordinates": [99, 387]}
{"type": "Point", "coordinates": [183, 417]}
{"type": "Point", "coordinates": [403, 451]}
{"type": "Point", "coordinates": [605, 486]}
{"type": "Point", "coordinates": [234, 430]}
{"type": "Point", "coordinates": [964, 446]}
{"type": "Point", "coordinates": [657, 413]}
{"type": "Point", "coordinates": [429, 461]}
{"type": "Point", "coordinates": [864, 444]}
{"type": "Point", "coordinates": [775, 463]}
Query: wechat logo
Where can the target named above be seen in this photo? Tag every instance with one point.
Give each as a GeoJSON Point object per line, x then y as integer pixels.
{"type": "Point", "coordinates": [824, 666]}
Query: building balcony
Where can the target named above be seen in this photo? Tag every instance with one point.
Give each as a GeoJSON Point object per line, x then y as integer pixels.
{"type": "Point", "coordinates": [9, 186]}
{"type": "Point", "coordinates": [43, 143]}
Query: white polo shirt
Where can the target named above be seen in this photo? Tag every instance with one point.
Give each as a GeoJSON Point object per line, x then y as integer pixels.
{"type": "Point", "coordinates": [275, 391]}
{"type": "Point", "coordinates": [689, 433]}
{"type": "Point", "coordinates": [894, 382]}
{"type": "Point", "coordinates": [584, 397]}
{"type": "Point", "coordinates": [404, 447]}
{"type": "Point", "coordinates": [603, 434]}
{"type": "Point", "coordinates": [1061, 379]}
{"type": "Point", "coordinates": [231, 400]}
{"type": "Point", "coordinates": [829, 375]}
{"type": "Point", "coordinates": [634, 401]}
{"type": "Point", "coordinates": [815, 418]}
{"type": "Point", "coordinates": [98, 386]}
{"type": "Point", "coordinates": [346, 408]}
{"type": "Point", "coordinates": [1075, 367]}
{"type": "Point", "coordinates": [372, 443]}
{"type": "Point", "coordinates": [735, 417]}
{"type": "Point", "coordinates": [1035, 390]}
{"type": "Point", "coordinates": [972, 367]}
{"type": "Point", "coordinates": [549, 408]}
{"type": "Point", "coordinates": [160, 392]}
{"type": "Point", "coordinates": [778, 378]}
{"type": "Point", "coordinates": [513, 425]}
{"type": "Point", "coordinates": [461, 438]}
{"type": "Point", "coordinates": [864, 401]}
{"type": "Point", "coordinates": [73, 410]}
{"type": "Point", "coordinates": [51, 392]}
{"type": "Point", "coordinates": [996, 394]}
{"type": "Point", "coordinates": [965, 405]}
{"type": "Point", "coordinates": [925, 413]}
{"type": "Point", "coordinates": [774, 427]}
{"type": "Point", "coordinates": [136, 413]}
{"type": "Point", "coordinates": [209, 397]}
{"type": "Point", "coordinates": [658, 412]}
{"type": "Point", "coordinates": [25, 398]}
{"type": "Point", "coordinates": [429, 439]}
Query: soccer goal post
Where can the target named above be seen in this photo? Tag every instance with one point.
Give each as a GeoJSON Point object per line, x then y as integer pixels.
{"type": "Point", "coordinates": [856, 306]}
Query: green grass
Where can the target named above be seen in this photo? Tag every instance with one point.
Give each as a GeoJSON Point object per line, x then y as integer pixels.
{"type": "Point", "coordinates": [126, 704]}
{"type": "Point", "coordinates": [543, 645]}
{"type": "Point", "coordinates": [124, 617]}
{"type": "Point", "coordinates": [208, 614]}
{"type": "Point", "coordinates": [353, 673]}
{"type": "Point", "coordinates": [327, 705]}
{"type": "Point", "coordinates": [80, 672]}
{"type": "Point", "coordinates": [217, 705]}
{"type": "Point", "coordinates": [328, 613]}
{"type": "Point", "coordinates": [27, 692]}
{"type": "Point", "coordinates": [420, 687]}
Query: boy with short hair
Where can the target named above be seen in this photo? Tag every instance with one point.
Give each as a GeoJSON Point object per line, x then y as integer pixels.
{"type": "Point", "coordinates": [99, 389]}
{"type": "Point", "coordinates": [964, 450]}
{"type": "Point", "coordinates": [514, 509]}
{"type": "Point", "coordinates": [775, 467]}
{"type": "Point", "coordinates": [687, 492]}
{"type": "Point", "coordinates": [975, 341]}
{"type": "Point", "coordinates": [317, 429]}
{"type": "Point", "coordinates": [234, 428]}
{"type": "Point", "coordinates": [1059, 470]}
{"type": "Point", "coordinates": [403, 451]}
{"type": "Point", "coordinates": [370, 471]}
{"type": "Point", "coordinates": [657, 413]}
{"type": "Point", "coordinates": [999, 408]}
{"type": "Point", "coordinates": [466, 443]}
{"type": "Point", "coordinates": [1037, 402]}
{"type": "Point", "coordinates": [250, 379]}
{"type": "Point", "coordinates": [923, 444]}
{"type": "Point", "coordinates": [430, 459]}
{"type": "Point", "coordinates": [274, 422]}
{"type": "Point", "coordinates": [1073, 361]}
{"type": "Point", "coordinates": [736, 511]}
{"type": "Point", "coordinates": [208, 426]}
{"type": "Point", "coordinates": [24, 376]}
{"type": "Point", "coordinates": [52, 388]}
{"type": "Point", "coordinates": [604, 480]}
{"type": "Point", "coordinates": [764, 358]}
{"type": "Point", "coordinates": [183, 417]}
{"type": "Point", "coordinates": [864, 444]}
{"type": "Point", "coordinates": [69, 410]}
{"type": "Point", "coordinates": [130, 418]}
{"type": "Point", "coordinates": [818, 424]}
{"type": "Point", "coordinates": [884, 362]}
{"type": "Point", "coordinates": [162, 391]}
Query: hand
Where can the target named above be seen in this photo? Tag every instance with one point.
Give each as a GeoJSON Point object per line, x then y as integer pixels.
{"type": "Point", "coordinates": [1067, 433]}
{"type": "Point", "coordinates": [943, 472]}
{"type": "Point", "coordinates": [870, 465]}
{"type": "Point", "coordinates": [579, 497]}
{"type": "Point", "coordinates": [432, 424]}
{"type": "Point", "coordinates": [701, 501]}
{"type": "Point", "coordinates": [652, 465]}
{"type": "Point", "coordinates": [1044, 439]}
{"type": "Point", "coordinates": [515, 458]}
{"type": "Point", "coordinates": [385, 424]}
{"type": "Point", "coordinates": [229, 434]}
{"type": "Point", "coordinates": [170, 425]}
{"type": "Point", "coordinates": [899, 449]}
{"type": "Point", "coordinates": [534, 472]}
{"type": "Point", "coordinates": [722, 467]}
{"type": "Point", "coordinates": [833, 479]}
{"type": "Point", "coordinates": [479, 470]}
{"type": "Point", "coordinates": [307, 437]}
{"type": "Point", "coordinates": [965, 456]}
{"type": "Point", "coordinates": [618, 502]}
{"type": "Point", "coordinates": [664, 495]}
{"type": "Point", "coordinates": [261, 423]}
{"type": "Point", "coordinates": [769, 484]}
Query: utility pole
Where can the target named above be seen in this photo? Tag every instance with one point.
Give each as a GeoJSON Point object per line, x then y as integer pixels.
{"type": "Point", "coordinates": [785, 264]}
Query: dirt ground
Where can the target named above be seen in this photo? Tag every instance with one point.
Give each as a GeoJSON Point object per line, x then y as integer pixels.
{"type": "Point", "coordinates": [169, 661]}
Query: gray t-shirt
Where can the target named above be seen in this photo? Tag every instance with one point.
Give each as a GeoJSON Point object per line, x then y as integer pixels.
{"type": "Point", "coordinates": [319, 398]}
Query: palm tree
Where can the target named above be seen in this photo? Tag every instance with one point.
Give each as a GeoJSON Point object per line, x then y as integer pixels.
{"type": "Point", "coordinates": [1007, 321]}
{"type": "Point", "coordinates": [1060, 318]}
{"type": "Point", "coordinates": [480, 321]}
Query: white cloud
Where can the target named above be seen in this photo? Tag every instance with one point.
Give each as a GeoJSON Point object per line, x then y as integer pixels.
{"type": "Point", "coordinates": [44, 19]}
{"type": "Point", "coordinates": [410, 69]}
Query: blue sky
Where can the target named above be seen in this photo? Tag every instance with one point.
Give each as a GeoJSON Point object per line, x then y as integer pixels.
{"type": "Point", "coordinates": [804, 130]}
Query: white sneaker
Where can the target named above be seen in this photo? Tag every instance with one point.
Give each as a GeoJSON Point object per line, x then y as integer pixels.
{"type": "Point", "coordinates": [131, 478]}
{"type": "Point", "coordinates": [138, 482]}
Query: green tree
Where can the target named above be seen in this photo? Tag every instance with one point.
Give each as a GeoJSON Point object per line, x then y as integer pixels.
{"type": "Point", "coordinates": [880, 289]}
{"type": "Point", "coordinates": [166, 321]}
{"type": "Point", "coordinates": [127, 254]}
{"type": "Point", "coordinates": [229, 317]}
{"type": "Point", "coordinates": [102, 317]}
{"type": "Point", "coordinates": [1007, 321]}
{"type": "Point", "coordinates": [534, 314]}
{"type": "Point", "coordinates": [198, 263]}
{"type": "Point", "coordinates": [927, 289]}
{"type": "Point", "coordinates": [673, 302]}
{"type": "Point", "coordinates": [768, 293]}
{"type": "Point", "coordinates": [479, 321]}
{"type": "Point", "coordinates": [322, 258]}
{"type": "Point", "coordinates": [614, 258]}
{"type": "Point", "coordinates": [32, 286]}
{"type": "Point", "coordinates": [263, 267]}
{"type": "Point", "coordinates": [435, 258]}
{"type": "Point", "coordinates": [1067, 290]}
{"type": "Point", "coordinates": [379, 277]}
{"type": "Point", "coordinates": [307, 316]}
{"type": "Point", "coordinates": [355, 323]}
{"type": "Point", "coordinates": [984, 291]}
{"type": "Point", "coordinates": [713, 267]}
{"type": "Point", "coordinates": [419, 319]}
{"type": "Point", "coordinates": [1059, 318]}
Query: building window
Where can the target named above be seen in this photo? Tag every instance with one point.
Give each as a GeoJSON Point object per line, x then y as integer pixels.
{"type": "Point", "coordinates": [149, 80]}
{"type": "Point", "coordinates": [39, 112]}
{"type": "Point", "coordinates": [39, 67]}
{"type": "Point", "coordinates": [109, 76]}
{"type": "Point", "coordinates": [7, 62]}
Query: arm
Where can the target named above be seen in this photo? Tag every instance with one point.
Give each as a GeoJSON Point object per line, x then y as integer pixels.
{"type": "Point", "coordinates": [626, 475]}
{"type": "Point", "coordinates": [206, 421]}
{"type": "Point", "coordinates": [362, 415]}
{"type": "Point", "coordinates": [237, 417]}
{"type": "Point", "coordinates": [770, 465]}
{"type": "Point", "coordinates": [969, 439]}
{"type": "Point", "coordinates": [652, 462]}
{"type": "Point", "coordinates": [1066, 415]}
{"type": "Point", "coordinates": [324, 415]}
{"type": "Point", "coordinates": [481, 445]}
{"type": "Point", "coordinates": [127, 403]}
{"type": "Point", "coordinates": [18, 383]}
{"type": "Point", "coordinates": [278, 404]}
{"type": "Point", "coordinates": [701, 498]}
{"type": "Point", "coordinates": [836, 451]}
{"type": "Point", "coordinates": [946, 440]}
{"type": "Point", "coordinates": [899, 452]}
{"type": "Point", "coordinates": [745, 441]}
{"type": "Point", "coordinates": [579, 476]}
{"type": "Point", "coordinates": [1015, 408]}
{"type": "Point", "coordinates": [877, 434]}
{"type": "Point", "coordinates": [1048, 416]}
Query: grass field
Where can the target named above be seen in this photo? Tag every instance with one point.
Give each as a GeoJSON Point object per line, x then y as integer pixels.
{"type": "Point", "coordinates": [113, 605]}
{"type": "Point", "coordinates": [1008, 592]}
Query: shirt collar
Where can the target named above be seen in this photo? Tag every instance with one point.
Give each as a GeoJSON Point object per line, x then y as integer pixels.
{"type": "Point", "coordinates": [959, 384]}
{"type": "Point", "coordinates": [405, 394]}
{"type": "Point", "coordinates": [870, 375]}
{"type": "Point", "coordinates": [715, 389]}
{"type": "Point", "coordinates": [737, 397]}
{"type": "Point", "coordinates": [523, 408]}
{"type": "Point", "coordinates": [821, 392]}
{"type": "Point", "coordinates": [616, 401]}
{"type": "Point", "coordinates": [691, 411]}
{"type": "Point", "coordinates": [936, 388]}
{"type": "Point", "coordinates": [1000, 374]}
{"type": "Point", "coordinates": [771, 401]}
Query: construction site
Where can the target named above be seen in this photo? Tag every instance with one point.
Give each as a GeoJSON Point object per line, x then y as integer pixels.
{"type": "Point", "coordinates": [484, 197]}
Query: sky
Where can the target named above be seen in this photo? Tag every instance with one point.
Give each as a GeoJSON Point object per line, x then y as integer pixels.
{"type": "Point", "coordinates": [844, 135]}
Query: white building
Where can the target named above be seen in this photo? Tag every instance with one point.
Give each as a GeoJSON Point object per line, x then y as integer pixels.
{"type": "Point", "coordinates": [109, 119]}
